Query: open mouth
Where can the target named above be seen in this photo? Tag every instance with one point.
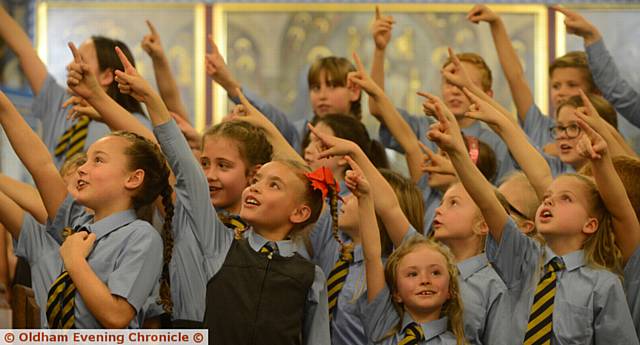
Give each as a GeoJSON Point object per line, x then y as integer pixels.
{"type": "Point", "coordinates": [81, 183]}
{"type": "Point", "coordinates": [251, 201]}
{"type": "Point", "coordinates": [426, 293]}
{"type": "Point", "coordinates": [546, 215]}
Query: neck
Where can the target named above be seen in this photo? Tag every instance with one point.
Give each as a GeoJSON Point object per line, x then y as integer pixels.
{"type": "Point", "coordinates": [422, 316]}
{"type": "Point", "coordinates": [112, 208]}
{"type": "Point", "coordinates": [464, 122]}
{"type": "Point", "coordinates": [464, 248]}
{"type": "Point", "coordinates": [277, 233]}
{"type": "Point", "coordinates": [563, 245]}
{"type": "Point", "coordinates": [233, 209]}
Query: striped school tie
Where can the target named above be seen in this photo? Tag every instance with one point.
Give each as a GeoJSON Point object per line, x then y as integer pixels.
{"type": "Point", "coordinates": [268, 249]}
{"type": "Point", "coordinates": [413, 334]}
{"type": "Point", "coordinates": [233, 222]}
{"type": "Point", "coordinates": [61, 297]}
{"type": "Point", "coordinates": [540, 326]}
{"type": "Point", "coordinates": [73, 139]}
{"type": "Point", "coordinates": [338, 277]}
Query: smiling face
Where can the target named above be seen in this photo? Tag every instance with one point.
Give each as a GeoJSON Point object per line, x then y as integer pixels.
{"type": "Point", "coordinates": [225, 170]}
{"type": "Point", "coordinates": [422, 281]}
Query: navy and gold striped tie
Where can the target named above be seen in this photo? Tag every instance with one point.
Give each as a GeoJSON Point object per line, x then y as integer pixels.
{"type": "Point", "coordinates": [268, 249]}
{"type": "Point", "coordinates": [413, 334]}
{"type": "Point", "coordinates": [540, 326]}
{"type": "Point", "coordinates": [73, 139]}
{"type": "Point", "coordinates": [338, 277]}
{"type": "Point", "coordinates": [233, 222]}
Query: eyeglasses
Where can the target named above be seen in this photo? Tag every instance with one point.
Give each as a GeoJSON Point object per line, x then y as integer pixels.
{"type": "Point", "coordinates": [571, 131]}
{"type": "Point", "coordinates": [511, 210]}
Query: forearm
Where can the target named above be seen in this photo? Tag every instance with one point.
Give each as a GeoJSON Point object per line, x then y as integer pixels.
{"type": "Point", "coordinates": [168, 87]}
{"type": "Point", "coordinates": [11, 215]}
{"type": "Point", "coordinates": [513, 71]}
{"type": "Point", "coordinates": [371, 246]}
{"type": "Point", "coordinates": [117, 117]}
{"type": "Point", "coordinates": [25, 195]}
{"type": "Point", "coordinates": [111, 311]}
{"type": "Point", "coordinates": [377, 74]}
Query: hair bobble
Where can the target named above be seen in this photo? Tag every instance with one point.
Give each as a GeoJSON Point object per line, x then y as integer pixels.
{"type": "Point", "coordinates": [322, 179]}
{"type": "Point", "coordinates": [474, 148]}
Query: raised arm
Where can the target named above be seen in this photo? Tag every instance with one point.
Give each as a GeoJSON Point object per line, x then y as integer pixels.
{"type": "Point", "coordinates": [625, 222]}
{"type": "Point", "coordinates": [385, 200]}
{"type": "Point", "coordinates": [83, 83]}
{"type": "Point", "coordinates": [165, 81]}
{"type": "Point", "coordinates": [359, 185]}
{"type": "Point", "coordinates": [25, 195]}
{"type": "Point", "coordinates": [398, 127]}
{"type": "Point", "coordinates": [381, 30]}
{"type": "Point", "coordinates": [446, 134]}
{"type": "Point", "coordinates": [19, 43]}
{"type": "Point", "coordinates": [34, 155]}
{"type": "Point", "coordinates": [509, 59]}
{"type": "Point", "coordinates": [530, 160]}
{"type": "Point", "coordinates": [11, 215]}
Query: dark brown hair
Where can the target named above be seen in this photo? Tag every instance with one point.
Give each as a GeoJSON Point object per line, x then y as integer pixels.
{"type": "Point", "coordinates": [336, 70]}
{"type": "Point", "coordinates": [252, 142]}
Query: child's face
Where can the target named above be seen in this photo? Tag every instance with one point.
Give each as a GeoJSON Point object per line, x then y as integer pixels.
{"type": "Point", "coordinates": [348, 217]}
{"type": "Point", "coordinates": [225, 170]}
{"type": "Point", "coordinates": [442, 180]}
{"type": "Point", "coordinates": [315, 146]}
{"type": "Point", "coordinates": [457, 215]}
{"type": "Point", "coordinates": [453, 97]}
{"type": "Point", "coordinates": [564, 210]}
{"type": "Point", "coordinates": [328, 98]}
{"type": "Point", "coordinates": [422, 282]}
{"type": "Point", "coordinates": [104, 178]}
{"type": "Point", "coordinates": [272, 200]}
{"type": "Point", "coordinates": [567, 82]}
{"type": "Point", "coordinates": [565, 144]}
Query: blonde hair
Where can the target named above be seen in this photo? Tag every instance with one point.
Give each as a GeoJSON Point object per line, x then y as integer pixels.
{"type": "Point", "coordinates": [486, 79]}
{"type": "Point", "coordinates": [600, 249]}
{"type": "Point", "coordinates": [452, 308]}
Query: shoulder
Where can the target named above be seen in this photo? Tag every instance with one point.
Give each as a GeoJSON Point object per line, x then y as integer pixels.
{"type": "Point", "coordinates": [142, 232]}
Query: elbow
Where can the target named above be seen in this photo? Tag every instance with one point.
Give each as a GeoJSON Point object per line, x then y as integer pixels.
{"type": "Point", "coordinates": [115, 321]}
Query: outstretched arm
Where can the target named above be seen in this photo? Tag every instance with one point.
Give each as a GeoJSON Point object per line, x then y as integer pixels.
{"type": "Point", "coordinates": [446, 134]}
{"type": "Point", "coordinates": [381, 30]}
{"type": "Point", "coordinates": [625, 222]}
{"type": "Point", "coordinates": [34, 155]}
{"type": "Point", "coordinates": [19, 43]}
{"type": "Point", "coordinates": [167, 85]}
{"type": "Point", "coordinates": [11, 215]}
{"type": "Point", "coordinates": [25, 195]}
{"type": "Point", "coordinates": [509, 60]}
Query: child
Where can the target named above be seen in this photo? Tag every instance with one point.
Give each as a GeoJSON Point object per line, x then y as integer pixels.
{"type": "Point", "coordinates": [329, 92]}
{"type": "Point", "coordinates": [246, 277]}
{"type": "Point", "coordinates": [415, 298]}
{"type": "Point", "coordinates": [579, 258]}
{"type": "Point", "coordinates": [62, 135]}
{"type": "Point", "coordinates": [522, 201]}
{"type": "Point", "coordinates": [114, 268]}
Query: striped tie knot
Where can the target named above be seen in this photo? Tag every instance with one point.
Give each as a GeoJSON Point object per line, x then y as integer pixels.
{"type": "Point", "coordinates": [267, 248]}
{"type": "Point", "coordinates": [346, 253]}
{"type": "Point", "coordinates": [556, 264]}
{"type": "Point", "coordinates": [413, 334]}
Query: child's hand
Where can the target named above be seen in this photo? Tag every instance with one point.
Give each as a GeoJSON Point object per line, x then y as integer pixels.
{"type": "Point", "coordinates": [455, 73]}
{"type": "Point", "coordinates": [80, 79]}
{"type": "Point", "coordinates": [435, 163]}
{"type": "Point", "coordinates": [576, 24]}
{"type": "Point", "coordinates": [482, 110]}
{"type": "Point", "coordinates": [151, 43]}
{"type": "Point", "coordinates": [445, 133]}
{"type": "Point", "coordinates": [130, 82]}
{"type": "Point", "coordinates": [245, 111]}
{"type": "Point", "coordinates": [362, 79]}
{"type": "Point", "coordinates": [381, 29]}
{"type": "Point", "coordinates": [76, 247]}
{"type": "Point", "coordinates": [191, 134]}
{"type": "Point", "coordinates": [482, 13]}
{"type": "Point", "coordinates": [80, 108]}
{"type": "Point", "coordinates": [218, 70]}
{"type": "Point", "coordinates": [590, 145]}
{"type": "Point", "coordinates": [355, 179]}
{"type": "Point", "coordinates": [590, 115]}
{"type": "Point", "coordinates": [333, 146]}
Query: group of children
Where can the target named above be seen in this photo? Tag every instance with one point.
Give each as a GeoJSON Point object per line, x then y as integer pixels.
{"type": "Point", "coordinates": [465, 250]}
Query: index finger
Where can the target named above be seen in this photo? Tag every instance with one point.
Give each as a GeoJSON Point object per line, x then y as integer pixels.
{"type": "Point", "coordinates": [562, 10]}
{"type": "Point", "coordinates": [76, 54]}
{"type": "Point", "coordinates": [214, 47]}
{"type": "Point", "coordinates": [588, 105]}
{"type": "Point", "coordinates": [243, 100]}
{"type": "Point", "coordinates": [377, 12]}
{"type": "Point", "coordinates": [354, 166]}
{"type": "Point", "coordinates": [590, 132]}
{"type": "Point", "coordinates": [454, 58]}
{"type": "Point", "coordinates": [123, 58]}
{"type": "Point", "coordinates": [471, 95]}
{"type": "Point", "coordinates": [358, 62]}
{"type": "Point", "coordinates": [426, 150]}
{"type": "Point", "coordinates": [151, 27]}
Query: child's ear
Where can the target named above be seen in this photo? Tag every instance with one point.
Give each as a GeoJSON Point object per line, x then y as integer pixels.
{"type": "Point", "coordinates": [527, 227]}
{"type": "Point", "coordinates": [396, 297]}
{"type": "Point", "coordinates": [480, 227]}
{"type": "Point", "coordinates": [105, 78]}
{"type": "Point", "coordinates": [591, 226]}
{"type": "Point", "coordinates": [135, 179]}
{"type": "Point", "coordinates": [300, 214]}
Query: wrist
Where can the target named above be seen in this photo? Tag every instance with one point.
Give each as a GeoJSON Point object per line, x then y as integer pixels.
{"type": "Point", "coordinates": [157, 57]}
{"type": "Point", "coordinates": [592, 37]}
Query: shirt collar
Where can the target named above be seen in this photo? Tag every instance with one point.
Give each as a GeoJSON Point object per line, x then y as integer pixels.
{"type": "Point", "coordinates": [285, 248]}
{"type": "Point", "coordinates": [111, 223]}
{"type": "Point", "coordinates": [431, 329]}
{"type": "Point", "coordinates": [572, 261]}
{"type": "Point", "coordinates": [472, 265]}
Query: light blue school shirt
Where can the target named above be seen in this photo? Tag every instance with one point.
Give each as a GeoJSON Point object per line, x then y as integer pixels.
{"type": "Point", "coordinates": [47, 108]}
{"type": "Point", "coordinates": [589, 305]}
{"type": "Point", "coordinates": [431, 199]}
{"type": "Point", "coordinates": [211, 240]}
{"type": "Point", "coordinates": [420, 126]}
{"type": "Point", "coordinates": [537, 127]}
{"type": "Point", "coordinates": [482, 292]}
{"type": "Point", "coordinates": [127, 257]}
{"type": "Point", "coordinates": [379, 317]}
{"type": "Point", "coordinates": [557, 166]}
{"type": "Point", "coordinates": [632, 287]}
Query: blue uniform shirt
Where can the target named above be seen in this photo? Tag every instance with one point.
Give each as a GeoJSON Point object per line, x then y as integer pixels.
{"type": "Point", "coordinates": [589, 305]}
{"type": "Point", "coordinates": [632, 286]}
{"type": "Point", "coordinates": [127, 257]}
{"type": "Point", "coordinates": [431, 199]}
{"type": "Point", "coordinates": [47, 107]}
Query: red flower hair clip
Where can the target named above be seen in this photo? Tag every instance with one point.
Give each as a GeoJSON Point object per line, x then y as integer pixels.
{"type": "Point", "coordinates": [321, 179]}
